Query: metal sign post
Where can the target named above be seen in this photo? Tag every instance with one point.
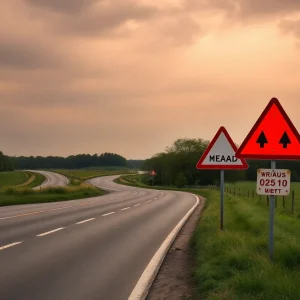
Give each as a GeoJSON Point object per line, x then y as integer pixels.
{"type": "Point", "coordinates": [222, 200]}
{"type": "Point", "coordinates": [272, 213]}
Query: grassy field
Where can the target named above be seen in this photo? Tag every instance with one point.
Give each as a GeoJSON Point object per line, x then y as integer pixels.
{"type": "Point", "coordinates": [234, 264]}
{"type": "Point", "coordinates": [20, 179]}
{"type": "Point", "coordinates": [12, 178]}
{"type": "Point", "coordinates": [246, 188]}
{"type": "Point", "coordinates": [13, 196]}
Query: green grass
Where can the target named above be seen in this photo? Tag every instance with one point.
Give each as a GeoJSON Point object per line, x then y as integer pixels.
{"type": "Point", "coordinates": [37, 180]}
{"type": "Point", "coordinates": [12, 178]}
{"type": "Point", "coordinates": [20, 179]}
{"type": "Point", "coordinates": [13, 196]}
{"type": "Point", "coordinates": [234, 264]}
{"type": "Point", "coordinates": [245, 188]}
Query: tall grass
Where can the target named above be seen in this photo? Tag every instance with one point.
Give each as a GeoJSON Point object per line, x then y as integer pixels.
{"type": "Point", "coordinates": [234, 264]}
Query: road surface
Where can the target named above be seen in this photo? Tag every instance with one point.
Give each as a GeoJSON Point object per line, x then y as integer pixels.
{"type": "Point", "coordinates": [89, 249]}
{"type": "Point", "coordinates": [52, 179]}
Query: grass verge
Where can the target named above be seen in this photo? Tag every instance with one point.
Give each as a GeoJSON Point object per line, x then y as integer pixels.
{"type": "Point", "coordinates": [12, 178]}
{"type": "Point", "coordinates": [233, 264]}
{"type": "Point", "coordinates": [13, 196]}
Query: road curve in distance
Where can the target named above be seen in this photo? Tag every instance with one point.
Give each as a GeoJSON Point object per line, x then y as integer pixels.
{"type": "Point", "coordinates": [52, 179]}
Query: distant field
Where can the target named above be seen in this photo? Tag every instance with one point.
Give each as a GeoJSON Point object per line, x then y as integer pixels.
{"type": "Point", "coordinates": [20, 179]}
{"type": "Point", "coordinates": [85, 174]}
{"type": "Point", "coordinates": [245, 188]}
{"type": "Point", "coordinates": [14, 178]}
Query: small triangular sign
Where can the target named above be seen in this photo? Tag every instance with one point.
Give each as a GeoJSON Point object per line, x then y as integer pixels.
{"type": "Point", "coordinates": [220, 154]}
{"type": "Point", "coordinates": [273, 136]}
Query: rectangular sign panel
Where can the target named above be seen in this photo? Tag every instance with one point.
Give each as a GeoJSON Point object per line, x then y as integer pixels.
{"type": "Point", "coordinates": [273, 182]}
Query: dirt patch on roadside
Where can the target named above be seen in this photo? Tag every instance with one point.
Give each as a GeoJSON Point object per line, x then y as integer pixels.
{"type": "Point", "coordinates": [174, 279]}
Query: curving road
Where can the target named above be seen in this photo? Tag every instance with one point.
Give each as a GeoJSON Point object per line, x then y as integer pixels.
{"type": "Point", "coordinates": [52, 179]}
{"type": "Point", "coordinates": [89, 249]}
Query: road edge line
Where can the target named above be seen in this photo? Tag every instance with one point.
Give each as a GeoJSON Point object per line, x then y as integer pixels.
{"type": "Point", "coordinates": [145, 282]}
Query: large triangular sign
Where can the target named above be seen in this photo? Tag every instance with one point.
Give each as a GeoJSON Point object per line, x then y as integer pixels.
{"type": "Point", "coordinates": [272, 137]}
{"type": "Point", "coordinates": [220, 154]}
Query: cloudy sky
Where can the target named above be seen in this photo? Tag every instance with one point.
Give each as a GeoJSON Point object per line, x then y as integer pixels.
{"type": "Point", "coordinates": [89, 76]}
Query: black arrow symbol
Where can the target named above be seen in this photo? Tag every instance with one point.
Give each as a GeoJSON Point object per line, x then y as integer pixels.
{"type": "Point", "coordinates": [262, 140]}
{"type": "Point", "coordinates": [285, 140]}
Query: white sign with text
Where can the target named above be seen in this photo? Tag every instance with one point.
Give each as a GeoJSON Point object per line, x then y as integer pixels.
{"type": "Point", "coordinates": [273, 182]}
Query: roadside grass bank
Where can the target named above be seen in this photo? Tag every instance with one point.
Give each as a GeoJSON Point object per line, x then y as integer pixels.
{"type": "Point", "coordinates": [13, 196]}
{"type": "Point", "coordinates": [20, 179]}
{"type": "Point", "coordinates": [234, 264]}
{"type": "Point", "coordinates": [33, 180]}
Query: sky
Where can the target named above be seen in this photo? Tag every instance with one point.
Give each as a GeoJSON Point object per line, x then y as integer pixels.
{"type": "Point", "coordinates": [131, 77]}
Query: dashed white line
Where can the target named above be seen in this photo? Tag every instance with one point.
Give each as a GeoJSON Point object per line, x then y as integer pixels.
{"type": "Point", "coordinates": [148, 201]}
{"type": "Point", "coordinates": [108, 214]}
{"type": "Point", "coordinates": [137, 205]}
{"type": "Point", "coordinates": [44, 211]}
{"type": "Point", "coordinates": [10, 245]}
{"type": "Point", "coordinates": [125, 208]}
{"type": "Point", "coordinates": [49, 232]}
{"type": "Point", "coordinates": [85, 221]}
{"type": "Point", "coordinates": [155, 199]}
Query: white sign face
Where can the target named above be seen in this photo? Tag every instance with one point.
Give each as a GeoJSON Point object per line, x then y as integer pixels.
{"type": "Point", "coordinates": [273, 182]}
{"type": "Point", "coordinates": [222, 153]}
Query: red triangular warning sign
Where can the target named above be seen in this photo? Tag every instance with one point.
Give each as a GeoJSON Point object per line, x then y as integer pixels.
{"type": "Point", "coordinates": [220, 154]}
{"type": "Point", "coordinates": [272, 137]}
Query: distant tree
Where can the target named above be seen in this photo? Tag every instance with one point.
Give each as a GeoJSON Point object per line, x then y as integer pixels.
{"type": "Point", "coordinates": [180, 180]}
{"type": "Point", "coordinates": [70, 162]}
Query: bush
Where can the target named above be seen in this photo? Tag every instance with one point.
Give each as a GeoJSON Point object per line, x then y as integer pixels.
{"type": "Point", "coordinates": [180, 180]}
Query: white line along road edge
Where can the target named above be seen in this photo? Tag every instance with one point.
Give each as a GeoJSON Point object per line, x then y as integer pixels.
{"type": "Point", "coordinates": [141, 289]}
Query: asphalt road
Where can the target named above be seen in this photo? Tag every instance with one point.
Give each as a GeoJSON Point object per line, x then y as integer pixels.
{"type": "Point", "coordinates": [52, 179]}
{"type": "Point", "coordinates": [87, 249]}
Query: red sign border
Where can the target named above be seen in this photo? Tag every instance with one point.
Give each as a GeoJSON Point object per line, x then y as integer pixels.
{"type": "Point", "coordinates": [199, 165]}
{"type": "Point", "coordinates": [254, 128]}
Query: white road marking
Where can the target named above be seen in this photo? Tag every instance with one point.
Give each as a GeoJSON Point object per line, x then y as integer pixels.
{"type": "Point", "coordinates": [137, 205]}
{"type": "Point", "coordinates": [155, 199]}
{"type": "Point", "coordinates": [142, 287]}
{"type": "Point", "coordinates": [134, 194]}
{"type": "Point", "coordinates": [49, 232]}
{"type": "Point", "coordinates": [148, 201]}
{"type": "Point", "coordinates": [108, 214]}
{"type": "Point", "coordinates": [44, 211]}
{"type": "Point", "coordinates": [88, 220]}
{"type": "Point", "coordinates": [10, 245]}
{"type": "Point", "coordinates": [125, 208]}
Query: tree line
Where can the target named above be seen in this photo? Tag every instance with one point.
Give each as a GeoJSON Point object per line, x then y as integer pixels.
{"type": "Point", "coordinates": [5, 163]}
{"type": "Point", "coordinates": [177, 166]}
{"type": "Point", "coordinates": [56, 162]}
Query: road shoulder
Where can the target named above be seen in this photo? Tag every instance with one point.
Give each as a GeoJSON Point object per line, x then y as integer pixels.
{"type": "Point", "coordinates": [174, 279]}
